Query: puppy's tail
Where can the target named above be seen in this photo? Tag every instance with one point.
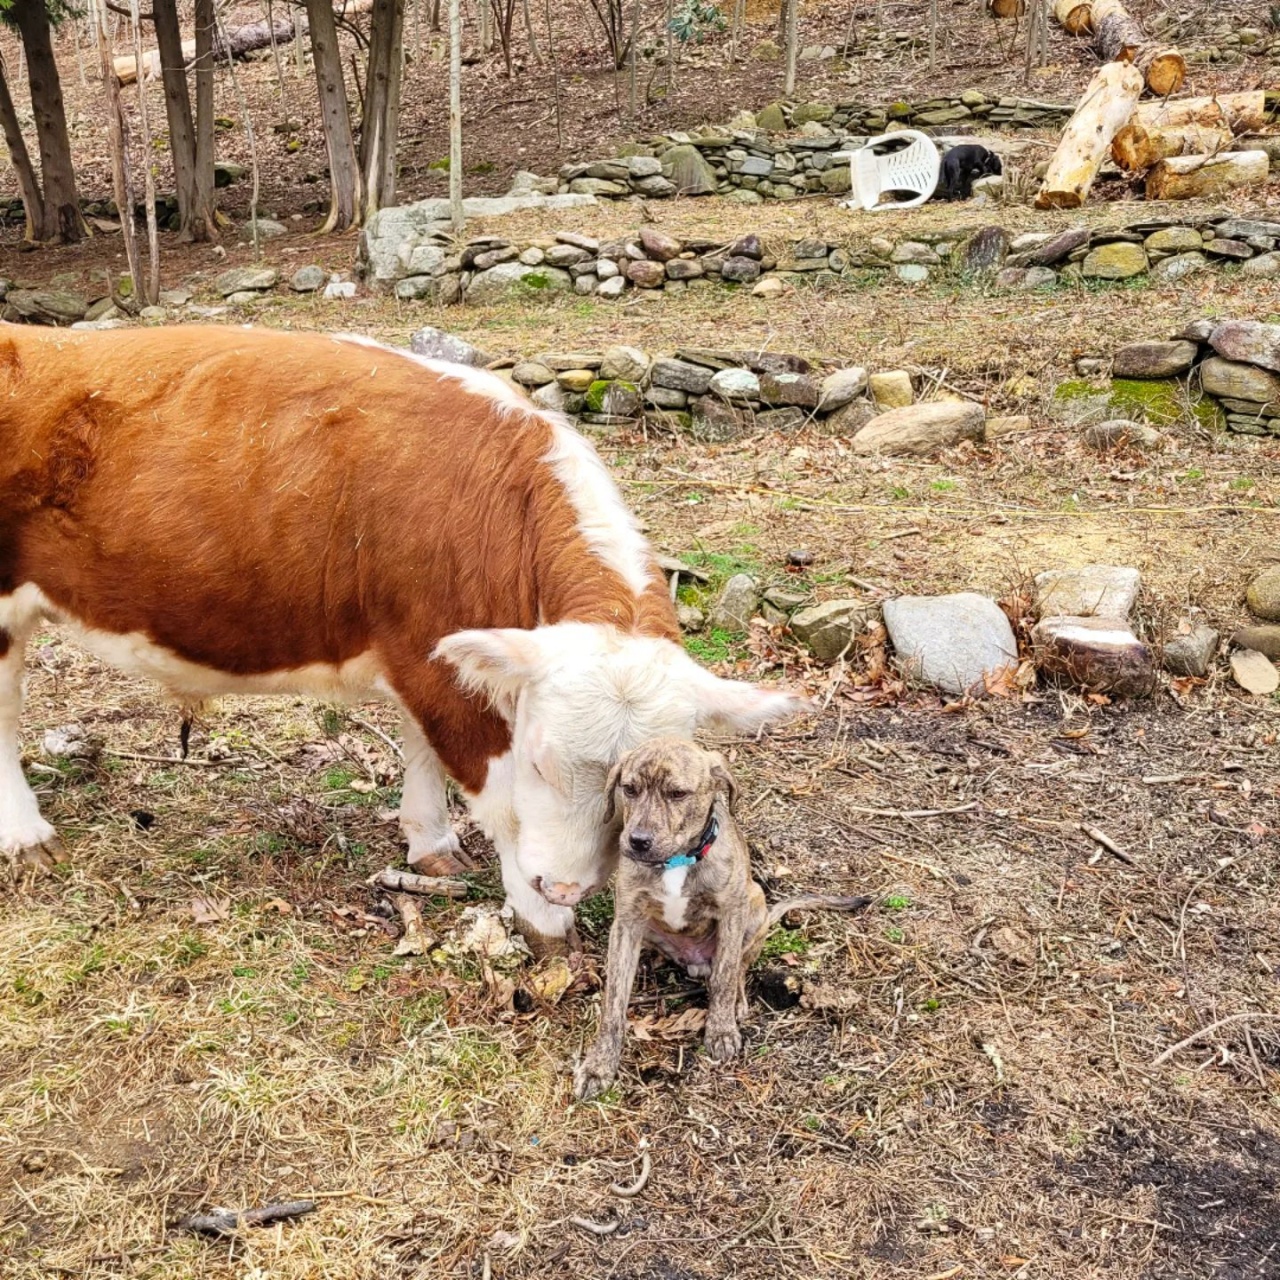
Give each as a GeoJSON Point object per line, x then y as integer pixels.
{"type": "Point", "coordinates": [816, 902]}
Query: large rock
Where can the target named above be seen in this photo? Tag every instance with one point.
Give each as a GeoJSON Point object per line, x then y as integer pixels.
{"type": "Point", "coordinates": [605, 188]}
{"type": "Point", "coordinates": [1154, 359]}
{"type": "Point", "coordinates": [1179, 266]}
{"type": "Point", "coordinates": [986, 251]}
{"type": "Point", "coordinates": [891, 389]}
{"type": "Point", "coordinates": [841, 388]}
{"type": "Point", "coordinates": [847, 421]}
{"type": "Point", "coordinates": [827, 630]}
{"type": "Point", "coordinates": [739, 269]}
{"type": "Point", "coordinates": [241, 279]}
{"type": "Point", "coordinates": [660, 246]}
{"type": "Point", "coordinates": [1091, 591]}
{"type": "Point", "coordinates": [1190, 652]}
{"type": "Point", "coordinates": [737, 604]}
{"type": "Point", "coordinates": [1119, 260]}
{"type": "Point", "coordinates": [685, 167]}
{"type": "Point", "coordinates": [713, 421]}
{"type": "Point", "coordinates": [914, 252]}
{"type": "Point", "coordinates": [266, 229]}
{"type": "Point", "coordinates": [1265, 266]}
{"type": "Point", "coordinates": [1250, 341]}
{"type": "Point", "coordinates": [1118, 433]}
{"type": "Point", "coordinates": [308, 279]}
{"type": "Point", "coordinates": [736, 384]}
{"type": "Point", "coordinates": [1263, 637]}
{"type": "Point", "coordinates": [628, 363]}
{"type": "Point", "coordinates": [47, 306]}
{"type": "Point", "coordinates": [1096, 655]}
{"type": "Point", "coordinates": [514, 278]}
{"type": "Point", "coordinates": [680, 375]}
{"type": "Point", "coordinates": [1263, 596]}
{"type": "Point", "coordinates": [1230, 380]}
{"type": "Point", "coordinates": [795, 389]}
{"type": "Point", "coordinates": [645, 274]}
{"type": "Point", "coordinates": [771, 119]}
{"type": "Point", "coordinates": [920, 429]}
{"type": "Point", "coordinates": [957, 643]}
{"type": "Point", "coordinates": [1254, 672]}
{"type": "Point", "coordinates": [438, 345]}
{"type": "Point", "coordinates": [1059, 247]}
{"type": "Point", "coordinates": [1175, 240]}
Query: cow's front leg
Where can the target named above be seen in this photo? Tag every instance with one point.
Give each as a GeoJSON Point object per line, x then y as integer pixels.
{"type": "Point", "coordinates": [546, 927]}
{"type": "Point", "coordinates": [434, 848]}
{"type": "Point", "coordinates": [26, 839]}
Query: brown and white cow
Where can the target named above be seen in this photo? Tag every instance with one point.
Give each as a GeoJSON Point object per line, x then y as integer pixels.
{"type": "Point", "coordinates": [241, 511]}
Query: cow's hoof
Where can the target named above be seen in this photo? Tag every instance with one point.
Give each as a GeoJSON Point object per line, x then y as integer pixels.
{"type": "Point", "coordinates": [438, 864]}
{"type": "Point", "coordinates": [33, 853]}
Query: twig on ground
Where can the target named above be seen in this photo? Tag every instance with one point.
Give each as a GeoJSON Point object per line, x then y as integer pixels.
{"type": "Point", "coordinates": [911, 813]}
{"type": "Point", "coordinates": [190, 763]}
{"type": "Point", "coordinates": [596, 1228]}
{"type": "Point", "coordinates": [1179, 941]}
{"type": "Point", "coordinates": [636, 1187]}
{"type": "Point", "coordinates": [223, 1222]}
{"type": "Point", "coordinates": [1100, 837]}
{"type": "Point", "coordinates": [1160, 1059]}
{"type": "Point", "coordinates": [378, 733]}
{"type": "Point", "coordinates": [408, 882]}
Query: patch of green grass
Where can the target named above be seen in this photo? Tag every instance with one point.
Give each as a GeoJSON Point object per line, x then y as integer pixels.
{"type": "Point", "coordinates": [1242, 483]}
{"type": "Point", "coordinates": [931, 1005]}
{"type": "Point", "coordinates": [894, 934]}
{"type": "Point", "coordinates": [897, 902]}
{"type": "Point", "coordinates": [339, 777]}
{"type": "Point", "coordinates": [784, 942]}
{"type": "Point", "coordinates": [944, 486]}
{"type": "Point", "coordinates": [1192, 475]}
{"type": "Point", "coordinates": [715, 645]}
{"type": "Point", "coordinates": [899, 492]}
{"type": "Point", "coordinates": [185, 950]}
{"type": "Point", "coordinates": [812, 1123]}
{"type": "Point", "coordinates": [597, 912]}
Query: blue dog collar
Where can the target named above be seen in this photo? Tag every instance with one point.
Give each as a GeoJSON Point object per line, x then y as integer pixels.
{"type": "Point", "coordinates": [699, 851]}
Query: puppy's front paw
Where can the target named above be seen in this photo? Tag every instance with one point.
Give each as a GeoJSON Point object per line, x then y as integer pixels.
{"type": "Point", "coordinates": [723, 1043]}
{"type": "Point", "coordinates": [594, 1075]}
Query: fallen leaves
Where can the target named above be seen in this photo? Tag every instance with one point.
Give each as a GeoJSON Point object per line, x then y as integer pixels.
{"type": "Point", "coordinates": [207, 910]}
{"type": "Point", "coordinates": [675, 1026]}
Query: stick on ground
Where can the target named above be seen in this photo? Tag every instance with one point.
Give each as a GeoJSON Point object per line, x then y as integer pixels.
{"type": "Point", "coordinates": [408, 882]}
{"type": "Point", "coordinates": [222, 1222]}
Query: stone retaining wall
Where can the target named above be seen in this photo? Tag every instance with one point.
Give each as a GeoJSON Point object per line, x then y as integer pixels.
{"type": "Point", "coordinates": [429, 264]}
{"type": "Point", "coordinates": [787, 150]}
{"type": "Point", "coordinates": [1235, 362]}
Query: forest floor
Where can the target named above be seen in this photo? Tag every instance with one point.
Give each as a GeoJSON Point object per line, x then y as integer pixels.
{"type": "Point", "coordinates": [206, 1009]}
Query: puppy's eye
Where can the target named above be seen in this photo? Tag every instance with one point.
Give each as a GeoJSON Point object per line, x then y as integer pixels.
{"type": "Point", "coordinates": [630, 790]}
{"type": "Point", "coordinates": [678, 795]}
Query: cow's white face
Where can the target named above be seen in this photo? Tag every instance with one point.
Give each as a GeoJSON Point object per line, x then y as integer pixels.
{"type": "Point", "coordinates": [578, 697]}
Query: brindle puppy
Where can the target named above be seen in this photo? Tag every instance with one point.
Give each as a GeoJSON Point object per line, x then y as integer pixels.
{"type": "Point", "coordinates": [684, 887]}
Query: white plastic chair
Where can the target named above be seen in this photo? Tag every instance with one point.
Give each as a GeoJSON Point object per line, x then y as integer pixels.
{"type": "Point", "coordinates": [904, 161]}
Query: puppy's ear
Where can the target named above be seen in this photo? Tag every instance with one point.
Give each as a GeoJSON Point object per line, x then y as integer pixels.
{"type": "Point", "coordinates": [611, 792]}
{"type": "Point", "coordinates": [723, 779]}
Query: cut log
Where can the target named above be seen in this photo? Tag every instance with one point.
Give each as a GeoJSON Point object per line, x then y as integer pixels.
{"type": "Point", "coordinates": [1136, 147]}
{"type": "Point", "coordinates": [1006, 8]}
{"type": "Point", "coordinates": [1247, 112]}
{"type": "Point", "coordinates": [1163, 68]}
{"type": "Point", "coordinates": [240, 41]}
{"type": "Point", "coordinates": [1117, 37]}
{"type": "Point", "coordinates": [1190, 177]}
{"type": "Point", "coordinates": [1104, 110]}
{"type": "Point", "coordinates": [1075, 17]}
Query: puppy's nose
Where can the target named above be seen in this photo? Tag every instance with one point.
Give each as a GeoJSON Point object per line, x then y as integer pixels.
{"type": "Point", "coordinates": [641, 842]}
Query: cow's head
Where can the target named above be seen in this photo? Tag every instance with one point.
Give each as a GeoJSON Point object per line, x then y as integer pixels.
{"type": "Point", "coordinates": [578, 697]}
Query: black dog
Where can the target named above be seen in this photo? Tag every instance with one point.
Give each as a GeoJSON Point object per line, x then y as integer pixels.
{"type": "Point", "coordinates": [961, 165]}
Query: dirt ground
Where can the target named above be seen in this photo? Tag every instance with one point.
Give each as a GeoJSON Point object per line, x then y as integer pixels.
{"type": "Point", "coordinates": [206, 1009]}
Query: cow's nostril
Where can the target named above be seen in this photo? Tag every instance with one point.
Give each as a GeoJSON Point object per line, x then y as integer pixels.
{"type": "Point", "coordinates": [641, 842]}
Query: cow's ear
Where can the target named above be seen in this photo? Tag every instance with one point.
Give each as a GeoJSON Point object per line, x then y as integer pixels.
{"type": "Point", "coordinates": [734, 707]}
{"type": "Point", "coordinates": [497, 663]}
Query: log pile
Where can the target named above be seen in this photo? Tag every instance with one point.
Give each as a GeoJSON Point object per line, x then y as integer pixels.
{"type": "Point", "coordinates": [1118, 37]}
{"type": "Point", "coordinates": [1187, 149]}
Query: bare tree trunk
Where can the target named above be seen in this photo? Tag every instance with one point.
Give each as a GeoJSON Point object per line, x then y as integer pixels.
{"type": "Point", "coordinates": [793, 22]}
{"type": "Point", "coordinates": [455, 114]}
{"type": "Point", "coordinates": [933, 35]}
{"type": "Point", "coordinates": [486, 28]}
{"type": "Point", "coordinates": [275, 53]}
{"type": "Point", "coordinates": [247, 116]}
{"type": "Point", "coordinates": [335, 116]}
{"type": "Point", "coordinates": [62, 219]}
{"type": "Point", "coordinates": [534, 52]}
{"type": "Point", "coordinates": [380, 119]}
{"type": "Point", "coordinates": [151, 290]}
{"type": "Point", "coordinates": [115, 136]}
{"type": "Point", "coordinates": [177, 106]}
{"type": "Point", "coordinates": [635, 54]}
{"type": "Point", "coordinates": [735, 30]}
{"type": "Point", "coordinates": [28, 185]}
{"type": "Point", "coordinates": [555, 75]}
{"type": "Point", "coordinates": [203, 225]}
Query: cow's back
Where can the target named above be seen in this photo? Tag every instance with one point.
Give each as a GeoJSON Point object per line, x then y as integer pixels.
{"type": "Point", "coordinates": [254, 500]}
